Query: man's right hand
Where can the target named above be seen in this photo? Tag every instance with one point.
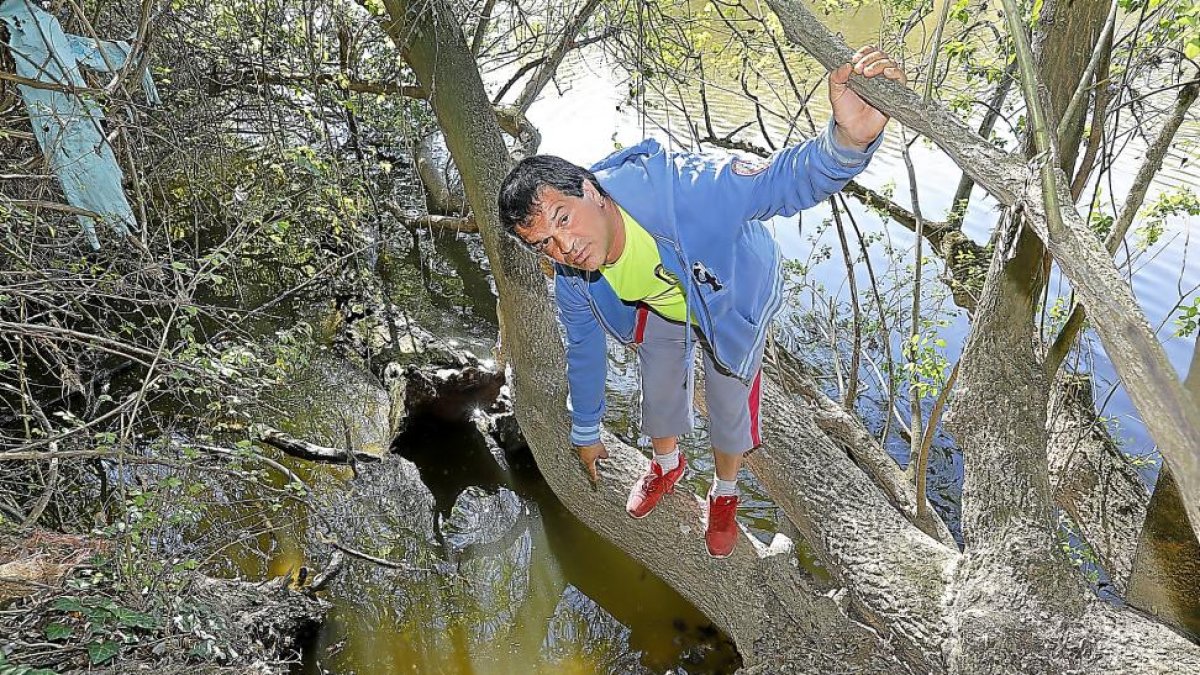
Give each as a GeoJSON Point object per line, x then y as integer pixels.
{"type": "Point", "coordinates": [588, 454]}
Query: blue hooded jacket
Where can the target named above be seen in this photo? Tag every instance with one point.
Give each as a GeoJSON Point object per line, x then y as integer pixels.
{"type": "Point", "coordinates": [705, 215]}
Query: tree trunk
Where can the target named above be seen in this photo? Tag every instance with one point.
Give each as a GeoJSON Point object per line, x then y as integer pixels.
{"type": "Point", "coordinates": [1067, 32]}
{"type": "Point", "coordinates": [1094, 483]}
{"type": "Point", "coordinates": [1166, 571]}
{"type": "Point", "coordinates": [923, 603]}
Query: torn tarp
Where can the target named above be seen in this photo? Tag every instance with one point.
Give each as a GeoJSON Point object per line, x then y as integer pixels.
{"type": "Point", "coordinates": [66, 122]}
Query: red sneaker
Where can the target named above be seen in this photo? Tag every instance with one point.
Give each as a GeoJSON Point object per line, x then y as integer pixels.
{"type": "Point", "coordinates": [652, 486]}
{"type": "Point", "coordinates": [722, 531]}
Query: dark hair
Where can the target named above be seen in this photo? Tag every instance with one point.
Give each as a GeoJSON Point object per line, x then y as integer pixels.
{"type": "Point", "coordinates": [522, 185]}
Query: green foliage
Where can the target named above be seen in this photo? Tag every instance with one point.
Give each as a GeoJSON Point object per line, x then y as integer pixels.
{"type": "Point", "coordinates": [925, 368]}
{"type": "Point", "coordinates": [1188, 319]}
{"type": "Point", "coordinates": [1102, 224]}
{"type": "Point", "coordinates": [1180, 201]}
{"type": "Point", "coordinates": [99, 624]}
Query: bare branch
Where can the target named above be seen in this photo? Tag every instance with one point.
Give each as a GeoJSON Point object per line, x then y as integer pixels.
{"type": "Point", "coordinates": [539, 79]}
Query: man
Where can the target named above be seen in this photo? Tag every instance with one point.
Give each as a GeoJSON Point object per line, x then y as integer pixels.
{"type": "Point", "coordinates": [665, 251]}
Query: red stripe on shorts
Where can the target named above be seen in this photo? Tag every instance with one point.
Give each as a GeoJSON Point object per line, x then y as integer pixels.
{"type": "Point", "coordinates": [755, 395]}
{"type": "Point", "coordinates": [643, 313]}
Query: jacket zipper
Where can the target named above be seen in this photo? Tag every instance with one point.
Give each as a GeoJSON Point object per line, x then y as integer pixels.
{"type": "Point", "coordinates": [707, 314]}
{"type": "Point", "coordinates": [599, 315]}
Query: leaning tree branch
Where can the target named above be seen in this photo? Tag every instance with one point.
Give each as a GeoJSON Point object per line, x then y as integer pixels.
{"type": "Point", "coordinates": [1137, 194]}
{"type": "Point", "coordinates": [538, 81]}
{"type": "Point", "coordinates": [1169, 413]}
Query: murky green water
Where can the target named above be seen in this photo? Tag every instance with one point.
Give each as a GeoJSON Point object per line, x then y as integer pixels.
{"type": "Point", "coordinates": [539, 594]}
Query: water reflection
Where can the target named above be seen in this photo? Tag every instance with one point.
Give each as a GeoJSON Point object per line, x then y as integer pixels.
{"type": "Point", "coordinates": [521, 586]}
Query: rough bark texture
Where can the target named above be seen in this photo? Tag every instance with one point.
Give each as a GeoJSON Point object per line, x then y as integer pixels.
{"type": "Point", "coordinates": [1011, 574]}
{"type": "Point", "coordinates": [1151, 164]}
{"type": "Point", "coordinates": [847, 432]}
{"type": "Point", "coordinates": [1067, 31]}
{"type": "Point", "coordinates": [897, 575]}
{"type": "Point", "coordinates": [1094, 483]}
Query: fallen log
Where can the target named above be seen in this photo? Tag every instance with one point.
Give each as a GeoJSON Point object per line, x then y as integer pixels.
{"type": "Point", "coordinates": [302, 449]}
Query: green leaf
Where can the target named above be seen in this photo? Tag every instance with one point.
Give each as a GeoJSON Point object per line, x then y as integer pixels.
{"type": "Point", "coordinates": [99, 652]}
{"type": "Point", "coordinates": [132, 619]}
{"type": "Point", "coordinates": [58, 631]}
{"type": "Point", "coordinates": [68, 604]}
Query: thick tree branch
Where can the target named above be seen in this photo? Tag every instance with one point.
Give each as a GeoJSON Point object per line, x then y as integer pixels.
{"type": "Point", "coordinates": [1138, 358]}
{"type": "Point", "coordinates": [1067, 133]}
{"type": "Point", "coordinates": [1092, 481]}
{"type": "Point", "coordinates": [1137, 194]}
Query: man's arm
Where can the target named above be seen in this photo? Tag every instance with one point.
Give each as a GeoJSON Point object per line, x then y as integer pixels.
{"type": "Point", "coordinates": [587, 362]}
{"type": "Point", "coordinates": [801, 176]}
{"type": "Point", "coordinates": [795, 178]}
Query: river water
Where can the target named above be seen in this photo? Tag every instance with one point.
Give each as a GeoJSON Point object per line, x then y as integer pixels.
{"type": "Point", "coordinates": [547, 595]}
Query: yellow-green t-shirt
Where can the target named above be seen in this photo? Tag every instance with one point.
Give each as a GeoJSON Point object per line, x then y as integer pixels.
{"type": "Point", "coordinates": [639, 275]}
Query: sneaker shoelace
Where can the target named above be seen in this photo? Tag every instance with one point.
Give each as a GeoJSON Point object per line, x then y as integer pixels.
{"type": "Point", "coordinates": [655, 481]}
{"type": "Point", "coordinates": [723, 512]}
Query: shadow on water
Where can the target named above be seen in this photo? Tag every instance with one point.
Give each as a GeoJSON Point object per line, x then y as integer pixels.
{"type": "Point", "coordinates": [544, 594]}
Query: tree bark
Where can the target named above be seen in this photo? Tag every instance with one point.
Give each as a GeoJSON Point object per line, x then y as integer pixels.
{"type": "Point", "coordinates": [1093, 481]}
{"type": "Point", "coordinates": [1166, 571]}
{"type": "Point", "coordinates": [1067, 33]}
{"type": "Point", "coordinates": [1133, 203]}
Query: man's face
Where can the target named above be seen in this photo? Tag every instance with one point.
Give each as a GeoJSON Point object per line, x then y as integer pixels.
{"type": "Point", "coordinates": [574, 231]}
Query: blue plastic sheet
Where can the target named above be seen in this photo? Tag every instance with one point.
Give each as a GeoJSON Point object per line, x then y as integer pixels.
{"type": "Point", "coordinates": [67, 123]}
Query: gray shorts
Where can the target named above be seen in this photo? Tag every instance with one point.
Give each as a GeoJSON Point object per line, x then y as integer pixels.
{"type": "Point", "coordinates": [668, 382]}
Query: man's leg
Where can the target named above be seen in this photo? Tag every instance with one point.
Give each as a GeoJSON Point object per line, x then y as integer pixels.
{"type": "Point", "coordinates": [666, 374]}
{"type": "Point", "coordinates": [734, 429]}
